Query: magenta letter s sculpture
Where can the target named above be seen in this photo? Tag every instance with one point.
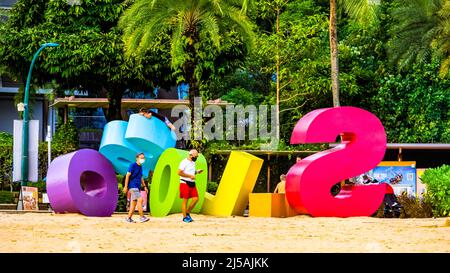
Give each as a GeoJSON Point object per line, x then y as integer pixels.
{"type": "Point", "coordinates": [83, 181]}
{"type": "Point", "coordinates": [363, 145]}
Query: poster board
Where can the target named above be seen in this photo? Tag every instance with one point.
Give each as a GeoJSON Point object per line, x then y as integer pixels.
{"type": "Point", "coordinates": [30, 198]}
{"type": "Point", "coordinates": [401, 175]}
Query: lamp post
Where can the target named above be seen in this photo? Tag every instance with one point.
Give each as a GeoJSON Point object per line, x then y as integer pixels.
{"type": "Point", "coordinates": [25, 127]}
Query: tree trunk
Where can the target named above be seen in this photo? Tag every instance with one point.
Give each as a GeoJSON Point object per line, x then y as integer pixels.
{"type": "Point", "coordinates": [277, 122]}
{"type": "Point", "coordinates": [191, 32]}
{"type": "Point", "coordinates": [114, 104]}
{"type": "Point", "coordinates": [193, 91]}
{"type": "Point", "coordinates": [189, 71]}
{"type": "Point", "coordinates": [334, 54]}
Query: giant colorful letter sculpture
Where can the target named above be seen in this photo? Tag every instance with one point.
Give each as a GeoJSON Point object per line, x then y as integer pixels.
{"type": "Point", "coordinates": [238, 180]}
{"type": "Point", "coordinates": [100, 193]}
{"type": "Point", "coordinates": [363, 146]}
{"type": "Point", "coordinates": [308, 182]}
{"type": "Point", "coordinates": [165, 187]}
{"type": "Point", "coordinates": [122, 140]}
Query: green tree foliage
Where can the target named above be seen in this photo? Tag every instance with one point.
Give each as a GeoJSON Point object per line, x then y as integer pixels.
{"type": "Point", "coordinates": [197, 31]}
{"type": "Point", "coordinates": [442, 41]}
{"type": "Point", "coordinates": [6, 158]}
{"type": "Point", "coordinates": [303, 44]}
{"type": "Point", "coordinates": [66, 137]}
{"type": "Point", "coordinates": [420, 32]}
{"type": "Point", "coordinates": [4, 14]}
{"type": "Point", "coordinates": [242, 96]}
{"type": "Point", "coordinates": [415, 108]}
{"type": "Point", "coordinates": [169, 42]}
{"type": "Point", "coordinates": [412, 31]}
{"type": "Point", "coordinates": [366, 79]}
{"type": "Point", "coordinates": [90, 56]}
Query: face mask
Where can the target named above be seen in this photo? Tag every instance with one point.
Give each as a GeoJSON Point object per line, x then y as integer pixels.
{"type": "Point", "coordinates": [194, 158]}
{"type": "Point", "coordinates": [141, 160]}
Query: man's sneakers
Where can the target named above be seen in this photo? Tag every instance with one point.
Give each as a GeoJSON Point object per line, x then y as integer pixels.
{"type": "Point", "coordinates": [188, 219]}
{"type": "Point", "coordinates": [143, 219]}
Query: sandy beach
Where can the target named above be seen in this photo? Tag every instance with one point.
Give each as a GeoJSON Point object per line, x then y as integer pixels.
{"type": "Point", "coordinates": [46, 232]}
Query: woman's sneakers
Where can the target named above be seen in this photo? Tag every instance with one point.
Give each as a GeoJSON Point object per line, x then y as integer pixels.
{"type": "Point", "coordinates": [188, 219]}
{"type": "Point", "coordinates": [143, 219]}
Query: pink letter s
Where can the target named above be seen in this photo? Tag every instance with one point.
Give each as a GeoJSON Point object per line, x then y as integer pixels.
{"type": "Point", "coordinates": [309, 182]}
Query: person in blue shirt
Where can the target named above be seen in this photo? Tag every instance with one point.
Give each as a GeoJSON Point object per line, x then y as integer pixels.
{"type": "Point", "coordinates": [133, 181]}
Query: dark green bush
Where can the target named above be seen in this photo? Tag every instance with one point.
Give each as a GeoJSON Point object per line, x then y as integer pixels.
{"type": "Point", "coordinates": [212, 186]}
{"type": "Point", "coordinates": [66, 137]}
{"type": "Point", "coordinates": [412, 207]}
{"type": "Point", "coordinates": [5, 138]}
{"type": "Point", "coordinates": [414, 108]}
{"type": "Point", "coordinates": [6, 197]}
{"type": "Point", "coordinates": [415, 207]}
{"type": "Point", "coordinates": [6, 165]}
{"type": "Point", "coordinates": [122, 201]}
{"type": "Point", "coordinates": [437, 181]}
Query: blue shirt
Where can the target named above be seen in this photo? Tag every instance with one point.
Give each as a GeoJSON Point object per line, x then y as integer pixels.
{"type": "Point", "coordinates": [135, 177]}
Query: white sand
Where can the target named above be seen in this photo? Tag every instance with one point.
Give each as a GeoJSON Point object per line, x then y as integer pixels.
{"type": "Point", "coordinates": [37, 232]}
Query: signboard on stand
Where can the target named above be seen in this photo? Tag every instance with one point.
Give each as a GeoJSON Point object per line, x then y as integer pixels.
{"type": "Point", "coordinates": [30, 198]}
{"type": "Point", "coordinates": [401, 175]}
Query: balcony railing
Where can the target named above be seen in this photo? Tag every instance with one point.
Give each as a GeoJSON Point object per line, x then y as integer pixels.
{"type": "Point", "coordinates": [89, 122]}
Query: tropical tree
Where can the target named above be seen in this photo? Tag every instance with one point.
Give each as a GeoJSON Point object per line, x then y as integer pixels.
{"type": "Point", "coordinates": [415, 106]}
{"type": "Point", "coordinates": [268, 9]}
{"type": "Point", "coordinates": [361, 10]}
{"type": "Point", "coordinates": [189, 24]}
{"type": "Point", "coordinates": [90, 56]}
{"type": "Point", "coordinates": [442, 41]}
{"type": "Point", "coordinates": [421, 32]}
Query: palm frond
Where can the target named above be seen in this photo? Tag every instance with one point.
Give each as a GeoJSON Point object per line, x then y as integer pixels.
{"type": "Point", "coordinates": [363, 11]}
{"type": "Point", "coordinates": [185, 21]}
{"type": "Point", "coordinates": [177, 43]}
{"type": "Point", "coordinates": [209, 24]}
{"type": "Point", "coordinates": [413, 31]}
{"type": "Point", "coordinates": [441, 41]}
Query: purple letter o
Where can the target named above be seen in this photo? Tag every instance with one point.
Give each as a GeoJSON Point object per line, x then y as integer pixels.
{"type": "Point", "coordinates": [83, 181]}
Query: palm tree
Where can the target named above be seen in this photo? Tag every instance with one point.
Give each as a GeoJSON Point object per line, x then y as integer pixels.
{"type": "Point", "coordinates": [442, 41]}
{"type": "Point", "coordinates": [188, 23]}
{"type": "Point", "coordinates": [414, 28]}
{"type": "Point", "coordinates": [356, 9]}
{"type": "Point", "coordinates": [420, 31]}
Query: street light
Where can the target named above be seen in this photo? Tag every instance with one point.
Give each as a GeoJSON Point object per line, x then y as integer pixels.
{"type": "Point", "coordinates": [25, 118]}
